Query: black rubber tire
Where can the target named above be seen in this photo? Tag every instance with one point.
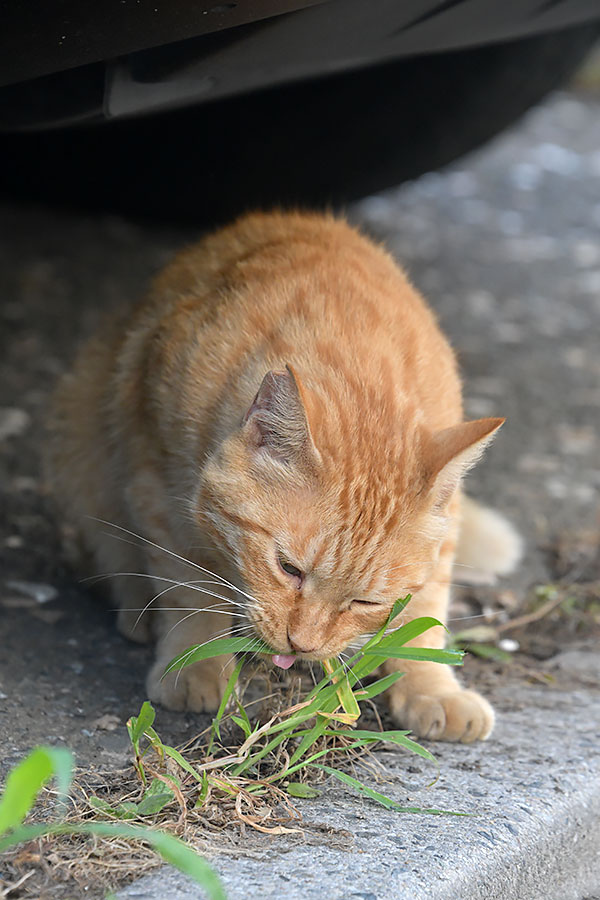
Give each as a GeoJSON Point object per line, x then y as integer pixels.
{"type": "Point", "coordinates": [321, 143]}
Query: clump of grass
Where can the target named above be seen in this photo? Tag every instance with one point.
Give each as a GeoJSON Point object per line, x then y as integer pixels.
{"type": "Point", "coordinates": [239, 771]}
{"type": "Point", "coordinates": [25, 782]}
{"type": "Point", "coordinates": [305, 738]}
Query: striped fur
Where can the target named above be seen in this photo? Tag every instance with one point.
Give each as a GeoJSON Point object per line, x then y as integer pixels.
{"type": "Point", "coordinates": [283, 394]}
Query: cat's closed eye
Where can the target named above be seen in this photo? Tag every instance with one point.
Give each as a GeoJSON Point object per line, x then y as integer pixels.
{"type": "Point", "coordinates": [290, 569]}
{"type": "Point", "coordinates": [365, 603]}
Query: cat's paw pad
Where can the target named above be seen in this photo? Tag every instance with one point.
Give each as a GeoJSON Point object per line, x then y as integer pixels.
{"type": "Point", "coordinates": [458, 716]}
{"type": "Point", "coordinates": [198, 688]}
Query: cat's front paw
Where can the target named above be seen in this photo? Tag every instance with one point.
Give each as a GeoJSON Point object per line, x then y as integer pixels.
{"type": "Point", "coordinates": [459, 715]}
{"type": "Point", "coordinates": [197, 688]}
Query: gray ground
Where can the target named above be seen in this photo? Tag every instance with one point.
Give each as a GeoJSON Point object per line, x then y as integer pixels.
{"type": "Point", "coordinates": [505, 246]}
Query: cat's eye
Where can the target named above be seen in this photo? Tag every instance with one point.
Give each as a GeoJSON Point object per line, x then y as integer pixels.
{"type": "Point", "coordinates": [365, 603]}
{"type": "Point", "coordinates": [289, 569]}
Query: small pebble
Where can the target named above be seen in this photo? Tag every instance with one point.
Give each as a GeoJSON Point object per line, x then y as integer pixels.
{"type": "Point", "coordinates": [107, 722]}
{"type": "Point", "coordinates": [41, 593]}
{"type": "Point", "coordinates": [509, 645]}
{"type": "Point", "coordinates": [13, 422]}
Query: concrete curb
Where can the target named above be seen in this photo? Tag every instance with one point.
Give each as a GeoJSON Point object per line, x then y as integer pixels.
{"type": "Point", "coordinates": [535, 788]}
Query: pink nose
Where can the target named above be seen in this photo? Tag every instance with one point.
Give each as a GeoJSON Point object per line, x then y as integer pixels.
{"type": "Point", "coordinates": [298, 647]}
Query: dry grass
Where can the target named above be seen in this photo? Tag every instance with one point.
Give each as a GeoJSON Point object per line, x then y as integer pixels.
{"type": "Point", "coordinates": [234, 815]}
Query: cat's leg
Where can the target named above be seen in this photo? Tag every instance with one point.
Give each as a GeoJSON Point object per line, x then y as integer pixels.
{"type": "Point", "coordinates": [428, 699]}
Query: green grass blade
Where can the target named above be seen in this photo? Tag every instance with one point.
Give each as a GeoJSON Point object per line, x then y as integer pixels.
{"type": "Point", "coordinates": [140, 723]}
{"type": "Point", "coordinates": [313, 735]}
{"type": "Point", "coordinates": [25, 781]}
{"type": "Point", "coordinates": [372, 642]}
{"type": "Point", "coordinates": [449, 657]}
{"type": "Point", "coordinates": [125, 810]}
{"type": "Point", "coordinates": [172, 850]}
{"type": "Point", "coordinates": [397, 608]}
{"type": "Point", "coordinates": [155, 798]}
{"type": "Point", "coordinates": [310, 760]}
{"type": "Point", "coordinates": [378, 687]}
{"type": "Point", "coordinates": [203, 792]}
{"type": "Point", "coordinates": [326, 701]}
{"type": "Point", "coordinates": [299, 789]}
{"type": "Point", "coordinates": [218, 647]}
{"type": "Point", "coordinates": [393, 737]}
{"type": "Point", "coordinates": [155, 742]}
{"type": "Point", "coordinates": [489, 651]}
{"type": "Point", "coordinates": [176, 755]}
{"type": "Point", "coordinates": [229, 689]}
{"type": "Point", "coordinates": [247, 729]}
{"type": "Point", "coordinates": [392, 644]}
{"type": "Point", "coordinates": [381, 798]}
{"type": "Point", "coordinates": [344, 692]}
{"type": "Point", "coordinates": [396, 639]}
{"type": "Point", "coordinates": [242, 724]}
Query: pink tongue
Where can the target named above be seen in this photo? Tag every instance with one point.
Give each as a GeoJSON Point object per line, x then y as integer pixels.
{"type": "Point", "coordinates": [284, 662]}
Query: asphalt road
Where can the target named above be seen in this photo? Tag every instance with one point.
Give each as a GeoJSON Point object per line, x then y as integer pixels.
{"type": "Point", "coordinates": [506, 247]}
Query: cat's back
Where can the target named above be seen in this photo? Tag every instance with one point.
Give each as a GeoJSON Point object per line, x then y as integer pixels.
{"type": "Point", "coordinates": [296, 280]}
{"type": "Point", "coordinates": [272, 290]}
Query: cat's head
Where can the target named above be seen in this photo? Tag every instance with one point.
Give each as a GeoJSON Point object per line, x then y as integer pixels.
{"type": "Point", "coordinates": [331, 515]}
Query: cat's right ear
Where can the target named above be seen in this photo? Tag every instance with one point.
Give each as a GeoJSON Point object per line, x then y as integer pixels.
{"type": "Point", "coordinates": [277, 422]}
{"type": "Point", "coordinates": [451, 452]}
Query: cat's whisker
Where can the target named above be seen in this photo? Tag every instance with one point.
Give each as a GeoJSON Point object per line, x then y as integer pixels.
{"type": "Point", "coordinates": [200, 590]}
{"type": "Point", "coordinates": [227, 663]}
{"type": "Point", "coordinates": [173, 584]}
{"type": "Point", "coordinates": [347, 667]}
{"type": "Point", "coordinates": [232, 629]}
{"type": "Point", "coordinates": [124, 540]}
{"type": "Point", "coordinates": [474, 616]}
{"type": "Point", "coordinates": [212, 549]}
{"type": "Point", "coordinates": [254, 655]}
{"type": "Point", "coordinates": [445, 583]}
{"type": "Point", "coordinates": [173, 554]}
{"type": "Point", "coordinates": [192, 585]}
{"type": "Point", "coordinates": [423, 562]}
{"type": "Point", "coordinates": [217, 583]}
{"type": "Point", "coordinates": [198, 609]}
{"type": "Point", "coordinates": [189, 653]}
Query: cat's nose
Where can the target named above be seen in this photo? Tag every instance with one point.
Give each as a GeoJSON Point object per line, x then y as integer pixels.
{"type": "Point", "coordinates": [299, 648]}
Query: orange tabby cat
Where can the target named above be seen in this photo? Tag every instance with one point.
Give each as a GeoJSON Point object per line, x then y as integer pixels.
{"type": "Point", "coordinates": [281, 410]}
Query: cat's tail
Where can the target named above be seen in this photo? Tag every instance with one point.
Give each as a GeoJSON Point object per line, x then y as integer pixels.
{"type": "Point", "coordinates": [488, 545]}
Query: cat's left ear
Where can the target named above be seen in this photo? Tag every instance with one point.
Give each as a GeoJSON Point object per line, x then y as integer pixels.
{"type": "Point", "coordinates": [277, 420]}
{"type": "Point", "coordinates": [451, 452]}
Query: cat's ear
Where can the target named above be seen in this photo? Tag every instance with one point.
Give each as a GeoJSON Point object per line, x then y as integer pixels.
{"type": "Point", "coordinates": [277, 420]}
{"type": "Point", "coordinates": [451, 452]}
